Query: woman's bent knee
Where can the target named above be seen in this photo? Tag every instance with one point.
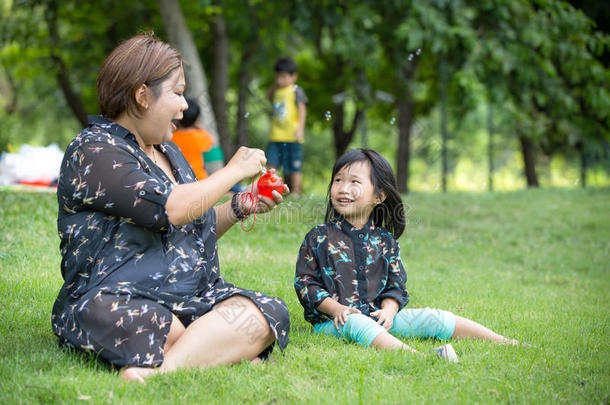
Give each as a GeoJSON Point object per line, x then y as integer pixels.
{"type": "Point", "coordinates": [247, 319]}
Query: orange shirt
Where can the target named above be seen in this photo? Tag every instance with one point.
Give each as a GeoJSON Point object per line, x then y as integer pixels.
{"type": "Point", "coordinates": [192, 143]}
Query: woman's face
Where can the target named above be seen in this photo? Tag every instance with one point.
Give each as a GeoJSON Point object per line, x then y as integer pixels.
{"type": "Point", "coordinates": [157, 126]}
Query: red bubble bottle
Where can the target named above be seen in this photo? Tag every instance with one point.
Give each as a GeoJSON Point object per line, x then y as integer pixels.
{"type": "Point", "coordinates": [268, 182]}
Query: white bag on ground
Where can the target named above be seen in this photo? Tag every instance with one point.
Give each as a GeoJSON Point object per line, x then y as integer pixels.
{"type": "Point", "coordinates": [31, 163]}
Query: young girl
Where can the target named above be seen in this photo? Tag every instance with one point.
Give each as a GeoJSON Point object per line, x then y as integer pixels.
{"type": "Point", "coordinates": [349, 276]}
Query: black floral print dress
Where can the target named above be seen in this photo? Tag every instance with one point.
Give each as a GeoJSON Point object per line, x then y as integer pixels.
{"type": "Point", "coordinates": [126, 268]}
{"type": "Point", "coordinates": [356, 267]}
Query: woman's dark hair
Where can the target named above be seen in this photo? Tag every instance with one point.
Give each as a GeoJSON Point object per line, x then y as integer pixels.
{"type": "Point", "coordinates": [190, 115]}
{"type": "Point", "coordinates": [142, 59]}
{"type": "Point", "coordinates": [390, 213]}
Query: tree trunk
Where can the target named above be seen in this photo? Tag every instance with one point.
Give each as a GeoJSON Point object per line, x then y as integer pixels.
{"type": "Point", "coordinates": [74, 101]}
{"type": "Point", "coordinates": [220, 81]}
{"type": "Point", "coordinates": [444, 136]}
{"type": "Point", "coordinates": [582, 154]}
{"type": "Point", "coordinates": [490, 156]}
{"type": "Point", "coordinates": [406, 117]}
{"type": "Point", "coordinates": [11, 105]}
{"type": "Point", "coordinates": [529, 161]}
{"type": "Point", "coordinates": [241, 122]}
{"type": "Point", "coordinates": [363, 89]}
{"type": "Point", "coordinates": [197, 88]}
{"type": "Point", "coordinates": [403, 157]}
{"type": "Point", "coordinates": [342, 137]}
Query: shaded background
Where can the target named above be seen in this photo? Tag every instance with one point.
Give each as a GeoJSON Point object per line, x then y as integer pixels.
{"type": "Point", "coordinates": [459, 95]}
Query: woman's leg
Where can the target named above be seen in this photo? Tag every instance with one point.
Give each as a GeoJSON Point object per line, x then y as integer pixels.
{"type": "Point", "coordinates": [139, 373]}
{"type": "Point", "coordinates": [233, 331]}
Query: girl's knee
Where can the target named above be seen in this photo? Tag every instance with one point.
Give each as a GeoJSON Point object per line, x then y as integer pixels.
{"type": "Point", "coordinates": [357, 320]}
{"type": "Point", "coordinates": [424, 322]}
{"type": "Point", "coordinates": [361, 329]}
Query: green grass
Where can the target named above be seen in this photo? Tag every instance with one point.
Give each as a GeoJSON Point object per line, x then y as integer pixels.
{"type": "Point", "coordinates": [533, 265]}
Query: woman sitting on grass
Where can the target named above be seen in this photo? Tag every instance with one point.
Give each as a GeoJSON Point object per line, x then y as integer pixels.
{"type": "Point", "coordinates": [139, 233]}
{"type": "Point", "coordinates": [349, 275]}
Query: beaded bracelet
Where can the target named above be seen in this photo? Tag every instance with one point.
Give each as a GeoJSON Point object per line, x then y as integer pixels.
{"type": "Point", "coordinates": [239, 214]}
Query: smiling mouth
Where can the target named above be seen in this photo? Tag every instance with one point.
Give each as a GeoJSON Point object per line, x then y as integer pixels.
{"type": "Point", "coordinates": [345, 201]}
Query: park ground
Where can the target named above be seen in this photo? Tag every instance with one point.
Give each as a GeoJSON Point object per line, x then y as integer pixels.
{"type": "Point", "coordinates": [532, 265]}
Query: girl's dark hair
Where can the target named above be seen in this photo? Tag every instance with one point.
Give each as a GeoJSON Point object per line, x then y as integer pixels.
{"type": "Point", "coordinates": [390, 213]}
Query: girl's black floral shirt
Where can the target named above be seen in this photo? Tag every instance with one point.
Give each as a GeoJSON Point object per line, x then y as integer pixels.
{"type": "Point", "coordinates": [356, 267]}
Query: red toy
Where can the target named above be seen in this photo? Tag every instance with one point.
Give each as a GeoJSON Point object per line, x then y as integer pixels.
{"type": "Point", "coordinates": [268, 182]}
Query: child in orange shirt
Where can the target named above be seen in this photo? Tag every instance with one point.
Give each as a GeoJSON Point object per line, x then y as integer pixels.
{"type": "Point", "coordinates": [193, 140]}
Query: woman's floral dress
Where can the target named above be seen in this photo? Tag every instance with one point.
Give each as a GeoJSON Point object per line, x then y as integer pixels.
{"type": "Point", "coordinates": [126, 268]}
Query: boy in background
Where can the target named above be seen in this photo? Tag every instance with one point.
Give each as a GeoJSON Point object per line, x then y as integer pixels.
{"type": "Point", "coordinates": [285, 149]}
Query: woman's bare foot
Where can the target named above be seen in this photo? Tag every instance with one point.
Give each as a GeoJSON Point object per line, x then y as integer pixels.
{"type": "Point", "coordinates": [256, 360]}
{"type": "Point", "coordinates": [137, 374]}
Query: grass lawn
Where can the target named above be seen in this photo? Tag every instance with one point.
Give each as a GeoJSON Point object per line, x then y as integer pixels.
{"type": "Point", "coordinates": [533, 265]}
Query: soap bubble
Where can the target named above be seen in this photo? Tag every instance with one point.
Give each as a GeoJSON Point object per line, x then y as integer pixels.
{"type": "Point", "coordinates": [392, 121]}
{"type": "Point", "coordinates": [438, 185]}
{"type": "Point", "coordinates": [410, 57]}
{"type": "Point", "coordinates": [328, 115]}
{"type": "Point", "coordinates": [247, 114]}
{"type": "Point", "coordinates": [418, 52]}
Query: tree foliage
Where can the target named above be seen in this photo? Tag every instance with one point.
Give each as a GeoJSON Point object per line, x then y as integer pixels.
{"type": "Point", "coordinates": [541, 65]}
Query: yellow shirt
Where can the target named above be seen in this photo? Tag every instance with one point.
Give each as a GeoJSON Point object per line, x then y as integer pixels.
{"type": "Point", "coordinates": [285, 120]}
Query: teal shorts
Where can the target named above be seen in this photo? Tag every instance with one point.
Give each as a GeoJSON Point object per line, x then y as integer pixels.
{"type": "Point", "coordinates": [408, 323]}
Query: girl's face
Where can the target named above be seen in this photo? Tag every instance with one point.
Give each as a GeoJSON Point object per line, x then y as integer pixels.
{"type": "Point", "coordinates": [352, 193]}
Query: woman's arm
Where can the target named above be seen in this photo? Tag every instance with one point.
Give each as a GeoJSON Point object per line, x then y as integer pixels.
{"type": "Point", "coordinates": [187, 202]}
{"type": "Point", "coordinates": [226, 217]}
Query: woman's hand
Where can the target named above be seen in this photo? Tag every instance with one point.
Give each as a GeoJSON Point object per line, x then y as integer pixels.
{"type": "Point", "coordinates": [264, 204]}
{"type": "Point", "coordinates": [247, 162]}
{"type": "Point", "coordinates": [385, 317]}
{"type": "Point", "coordinates": [340, 314]}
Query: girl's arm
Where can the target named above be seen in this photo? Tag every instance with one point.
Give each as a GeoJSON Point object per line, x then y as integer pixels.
{"type": "Point", "coordinates": [396, 286]}
{"type": "Point", "coordinates": [385, 315]}
{"type": "Point", "coordinates": [339, 312]}
{"type": "Point", "coordinates": [308, 285]}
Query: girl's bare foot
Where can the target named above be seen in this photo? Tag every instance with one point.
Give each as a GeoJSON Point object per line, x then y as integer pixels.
{"type": "Point", "coordinates": [256, 360]}
{"type": "Point", "coordinates": [515, 342]}
{"type": "Point", "coordinates": [137, 374]}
